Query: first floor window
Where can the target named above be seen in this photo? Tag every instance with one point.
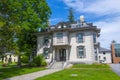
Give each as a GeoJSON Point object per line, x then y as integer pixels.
{"type": "Point", "coordinates": [46, 53]}
{"type": "Point", "coordinates": [104, 58]}
{"type": "Point", "coordinates": [81, 52]}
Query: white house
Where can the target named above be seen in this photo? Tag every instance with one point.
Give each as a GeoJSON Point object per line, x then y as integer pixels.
{"type": "Point", "coordinates": [69, 43]}
{"type": "Point", "coordinates": [104, 55]}
{"type": "Point", "coordinates": [9, 57]}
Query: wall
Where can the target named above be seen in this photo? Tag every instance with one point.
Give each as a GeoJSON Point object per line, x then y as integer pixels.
{"type": "Point", "coordinates": [89, 48]}
{"type": "Point", "coordinates": [107, 55]}
{"type": "Point", "coordinates": [114, 58]}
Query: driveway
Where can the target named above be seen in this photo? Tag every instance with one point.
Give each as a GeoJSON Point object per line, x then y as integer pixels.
{"type": "Point", "coordinates": [115, 68]}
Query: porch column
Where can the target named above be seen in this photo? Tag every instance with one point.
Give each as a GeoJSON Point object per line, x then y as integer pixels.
{"type": "Point", "coordinates": [67, 52]}
{"type": "Point", "coordinates": [53, 54]}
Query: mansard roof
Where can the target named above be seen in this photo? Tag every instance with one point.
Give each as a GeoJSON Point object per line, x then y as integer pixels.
{"type": "Point", "coordinates": [71, 27]}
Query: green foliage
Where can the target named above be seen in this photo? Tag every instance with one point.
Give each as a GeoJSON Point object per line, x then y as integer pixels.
{"type": "Point", "coordinates": [44, 63]}
{"type": "Point", "coordinates": [24, 59]}
{"type": "Point", "coordinates": [39, 60]}
{"type": "Point", "coordinates": [32, 64]}
{"type": "Point", "coordinates": [71, 16]}
{"type": "Point", "coordinates": [19, 21]}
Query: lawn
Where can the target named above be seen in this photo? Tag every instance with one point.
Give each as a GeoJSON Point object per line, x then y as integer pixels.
{"type": "Point", "coordinates": [91, 66]}
{"type": "Point", "coordinates": [11, 71]}
{"type": "Point", "coordinates": [84, 72]}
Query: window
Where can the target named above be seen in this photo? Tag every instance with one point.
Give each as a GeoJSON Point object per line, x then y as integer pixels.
{"type": "Point", "coordinates": [94, 38]}
{"type": "Point", "coordinates": [80, 37]}
{"type": "Point", "coordinates": [59, 37]}
{"type": "Point", "coordinates": [99, 57]}
{"type": "Point", "coordinates": [104, 53]}
{"type": "Point", "coordinates": [95, 50]}
{"type": "Point", "coordinates": [81, 52]}
{"type": "Point", "coordinates": [104, 58]}
{"type": "Point", "coordinates": [117, 50]}
{"type": "Point", "coordinates": [46, 53]}
{"type": "Point", "coordinates": [96, 58]}
{"type": "Point", "coordinates": [46, 40]}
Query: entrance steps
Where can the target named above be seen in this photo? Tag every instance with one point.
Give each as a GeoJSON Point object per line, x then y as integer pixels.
{"type": "Point", "coordinates": [57, 65]}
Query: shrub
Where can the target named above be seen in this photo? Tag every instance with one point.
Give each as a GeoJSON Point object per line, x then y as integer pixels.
{"type": "Point", "coordinates": [24, 59]}
{"type": "Point", "coordinates": [4, 65]}
{"type": "Point", "coordinates": [31, 64]}
{"type": "Point", "coordinates": [44, 63]}
{"type": "Point", "coordinates": [39, 60]}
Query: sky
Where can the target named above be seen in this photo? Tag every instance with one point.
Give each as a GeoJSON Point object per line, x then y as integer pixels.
{"type": "Point", "coordinates": [105, 14]}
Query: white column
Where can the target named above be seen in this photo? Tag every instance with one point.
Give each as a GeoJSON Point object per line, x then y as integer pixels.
{"type": "Point", "coordinates": [67, 53]}
{"type": "Point", "coordinates": [53, 54]}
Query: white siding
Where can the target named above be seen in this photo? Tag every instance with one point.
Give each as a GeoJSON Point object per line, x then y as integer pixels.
{"type": "Point", "coordinates": [87, 43]}
{"type": "Point", "coordinates": [107, 55]}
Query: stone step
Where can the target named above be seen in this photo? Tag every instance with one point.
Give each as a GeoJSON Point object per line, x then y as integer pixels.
{"type": "Point", "coordinates": [57, 65]}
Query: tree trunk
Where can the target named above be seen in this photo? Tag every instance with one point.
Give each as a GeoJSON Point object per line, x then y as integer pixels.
{"type": "Point", "coordinates": [19, 61]}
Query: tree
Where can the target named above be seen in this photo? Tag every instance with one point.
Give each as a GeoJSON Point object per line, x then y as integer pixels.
{"type": "Point", "coordinates": [24, 17]}
{"type": "Point", "coordinates": [71, 16]}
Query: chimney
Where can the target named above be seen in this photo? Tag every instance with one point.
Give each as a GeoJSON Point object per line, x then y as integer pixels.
{"type": "Point", "coordinates": [81, 18]}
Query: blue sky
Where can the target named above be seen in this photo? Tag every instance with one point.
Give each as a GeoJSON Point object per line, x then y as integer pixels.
{"type": "Point", "coordinates": [103, 13]}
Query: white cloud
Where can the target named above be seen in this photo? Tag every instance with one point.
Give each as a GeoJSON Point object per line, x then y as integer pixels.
{"type": "Point", "coordinates": [109, 31]}
{"type": "Point", "coordinates": [108, 10]}
{"type": "Point", "coordinates": [53, 20]}
{"type": "Point", "coordinates": [101, 7]}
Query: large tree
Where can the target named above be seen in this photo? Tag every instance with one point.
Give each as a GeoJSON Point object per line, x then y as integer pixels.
{"type": "Point", "coordinates": [24, 17]}
{"type": "Point", "coordinates": [71, 16]}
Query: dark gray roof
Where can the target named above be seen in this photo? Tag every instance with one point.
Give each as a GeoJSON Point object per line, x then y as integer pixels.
{"type": "Point", "coordinates": [101, 49]}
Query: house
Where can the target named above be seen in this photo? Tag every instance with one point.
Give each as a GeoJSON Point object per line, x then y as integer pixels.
{"type": "Point", "coordinates": [104, 55]}
{"type": "Point", "coordinates": [9, 57]}
{"type": "Point", "coordinates": [115, 47]}
{"type": "Point", "coordinates": [69, 43]}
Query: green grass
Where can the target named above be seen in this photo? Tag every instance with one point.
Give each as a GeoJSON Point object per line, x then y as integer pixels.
{"type": "Point", "coordinates": [92, 72]}
{"type": "Point", "coordinates": [11, 71]}
{"type": "Point", "coordinates": [90, 66]}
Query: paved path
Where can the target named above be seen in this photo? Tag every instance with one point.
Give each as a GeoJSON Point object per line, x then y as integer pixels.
{"type": "Point", "coordinates": [116, 68]}
{"type": "Point", "coordinates": [34, 75]}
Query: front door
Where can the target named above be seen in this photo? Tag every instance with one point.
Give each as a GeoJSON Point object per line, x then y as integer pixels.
{"type": "Point", "coordinates": [62, 54]}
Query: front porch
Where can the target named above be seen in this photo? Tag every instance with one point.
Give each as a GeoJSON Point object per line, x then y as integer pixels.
{"type": "Point", "coordinates": [61, 53]}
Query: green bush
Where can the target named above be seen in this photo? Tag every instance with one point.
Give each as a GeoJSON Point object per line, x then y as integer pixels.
{"type": "Point", "coordinates": [24, 59]}
{"type": "Point", "coordinates": [39, 60]}
{"type": "Point", "coordinates": [31, 64]}
{"type": "Point", "coordinates": [44, 63]}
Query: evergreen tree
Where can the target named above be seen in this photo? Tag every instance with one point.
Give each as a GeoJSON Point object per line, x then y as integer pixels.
{"type": "Point", "coordinates": [71, 16]}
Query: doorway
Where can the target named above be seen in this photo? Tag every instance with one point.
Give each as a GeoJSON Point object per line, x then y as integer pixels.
{"type": "Point", "coordinates": [62, 54]}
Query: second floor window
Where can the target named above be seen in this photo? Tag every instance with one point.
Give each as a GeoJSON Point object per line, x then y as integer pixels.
{"type": "Point", "coordinates": [80, 37]}
{"type": "Point", "coordinates": [46, 41]}
{"type": "Point", "coordinates": [59, 37]}
{"type": "Point", "coordinates": [94, 38]}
